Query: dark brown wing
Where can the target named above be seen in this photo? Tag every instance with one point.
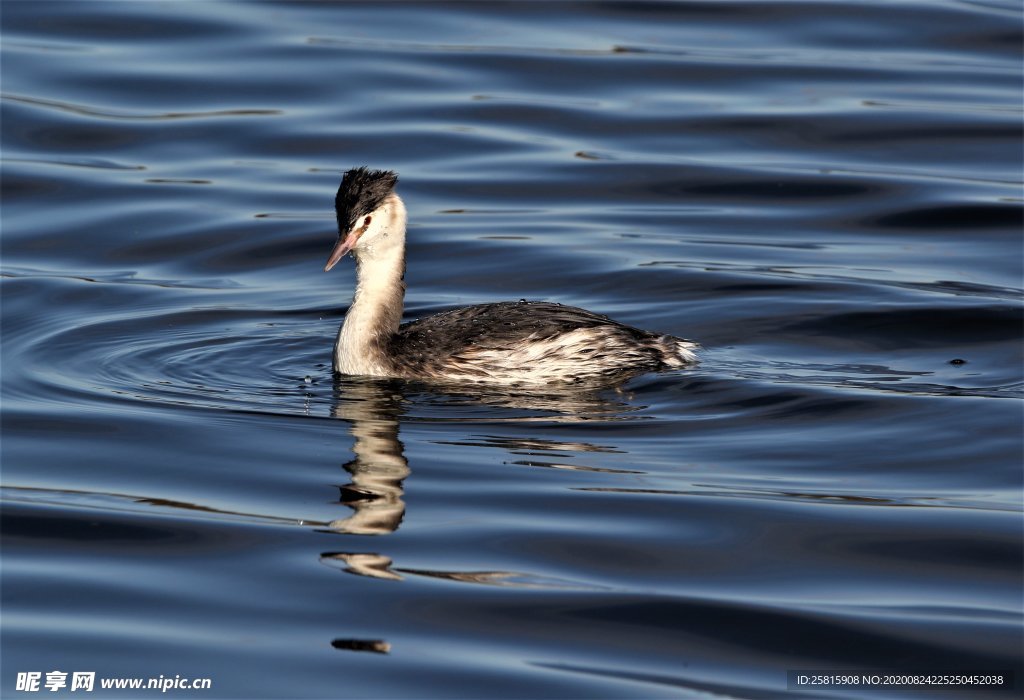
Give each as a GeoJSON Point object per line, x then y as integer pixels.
{"type": "Point", "coordinates": [427, 346]}
{"type": "Point", "coordinates": [495, 326]}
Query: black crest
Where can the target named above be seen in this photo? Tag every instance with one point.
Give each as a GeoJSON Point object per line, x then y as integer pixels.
{"type": "Point", "coordinates": [361, 192]}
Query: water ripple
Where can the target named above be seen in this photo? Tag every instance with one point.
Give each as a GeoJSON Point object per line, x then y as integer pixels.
{"type": "Point", "coordinates": [87, 111]}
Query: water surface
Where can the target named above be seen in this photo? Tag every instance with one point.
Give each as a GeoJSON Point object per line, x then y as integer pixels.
{"type": "Point", "coordinates": [826, 195]}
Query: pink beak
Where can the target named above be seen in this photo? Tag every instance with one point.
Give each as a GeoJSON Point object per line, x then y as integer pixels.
{"type": "Point", "coordinates": [343, 246]}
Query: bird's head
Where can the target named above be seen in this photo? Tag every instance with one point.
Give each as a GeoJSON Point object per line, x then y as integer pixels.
{"type": "Point", "coordinates": [371, 217]}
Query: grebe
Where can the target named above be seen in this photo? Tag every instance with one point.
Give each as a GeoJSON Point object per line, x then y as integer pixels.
{"type": "Point", "coordinates": [512, 343]}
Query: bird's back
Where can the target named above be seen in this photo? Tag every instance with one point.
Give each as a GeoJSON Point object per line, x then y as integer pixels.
{"type": "Point", "coordinates": [529, 342]}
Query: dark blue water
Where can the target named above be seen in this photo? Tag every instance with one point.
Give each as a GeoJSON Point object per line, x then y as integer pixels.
{"type": "Point", "coordinates": [826, 195]}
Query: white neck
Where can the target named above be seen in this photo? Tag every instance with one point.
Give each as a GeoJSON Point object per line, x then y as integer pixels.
{"type": "Point", "coordinates": [376, 309]}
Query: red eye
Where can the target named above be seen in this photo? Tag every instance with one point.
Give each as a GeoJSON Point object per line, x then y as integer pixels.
{"type": "Point", "coordinates": [366, 221]}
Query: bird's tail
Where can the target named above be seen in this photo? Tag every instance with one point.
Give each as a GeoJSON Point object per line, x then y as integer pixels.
{"type": "Point", "coordinates": [678, 352]}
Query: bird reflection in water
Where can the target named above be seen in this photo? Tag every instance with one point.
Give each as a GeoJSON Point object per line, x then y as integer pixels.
{"type": "Point", "coordinates": [374, 407]}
